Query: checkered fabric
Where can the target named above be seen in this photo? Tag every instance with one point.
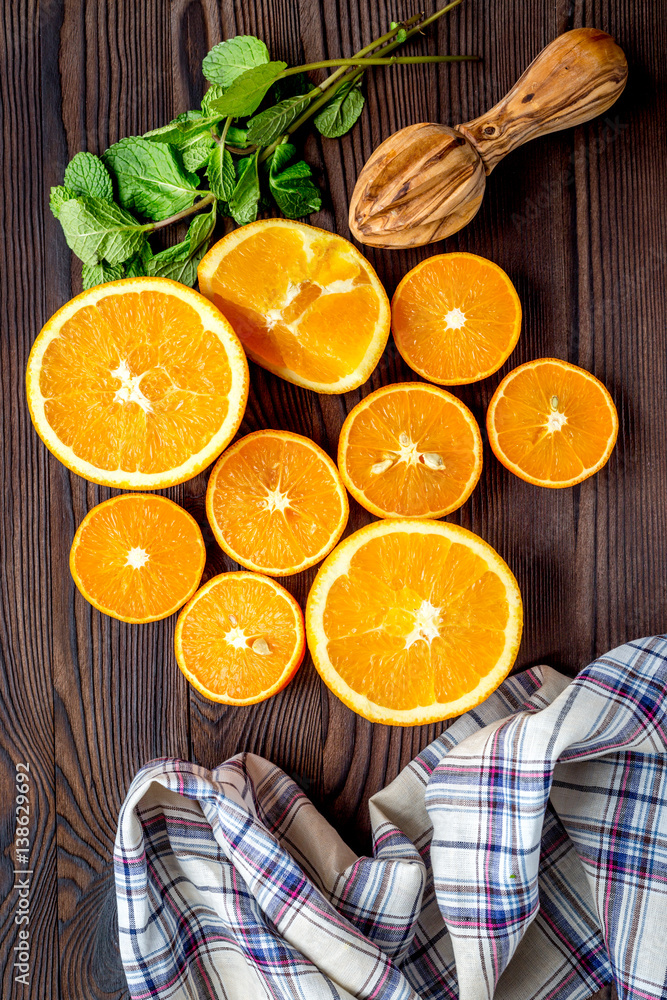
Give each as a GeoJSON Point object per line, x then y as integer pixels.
{"type": "Point", "coordinates": [523, 854]}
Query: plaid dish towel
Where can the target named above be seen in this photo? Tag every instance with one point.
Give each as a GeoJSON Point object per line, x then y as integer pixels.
{"type": "Point", "coordinates": [522, 855]}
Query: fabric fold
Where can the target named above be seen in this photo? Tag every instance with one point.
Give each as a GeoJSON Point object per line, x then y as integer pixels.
{"type": "Point", "coordinates": [523, 854]}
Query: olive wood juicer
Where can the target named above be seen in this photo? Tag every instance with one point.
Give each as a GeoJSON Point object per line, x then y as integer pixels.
{"type": "Point", "coordinates": [427, 181]}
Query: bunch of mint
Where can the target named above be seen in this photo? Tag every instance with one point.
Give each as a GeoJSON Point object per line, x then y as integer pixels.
{"type": "Point", "coordinates": [232, 156]}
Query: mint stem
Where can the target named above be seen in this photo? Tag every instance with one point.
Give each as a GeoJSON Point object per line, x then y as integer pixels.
{"type": "Point", "coordinates": [392, 61]}
{"type": "Point", "coordinates": [204, 202]}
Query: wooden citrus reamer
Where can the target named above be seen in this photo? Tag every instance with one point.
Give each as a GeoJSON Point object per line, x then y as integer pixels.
{"type": "Point", "coordinates": [427, 181]}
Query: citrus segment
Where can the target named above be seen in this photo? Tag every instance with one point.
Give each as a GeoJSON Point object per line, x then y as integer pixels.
{"type": "Point", "coordinates": [276, 503]}
{"type": "Point", "coordinates": [411, 622]}
{"type": "Point", "coordinates": [241, 638]}
{"type": "Point", "coordinates": [139, 383]}
{"type": "Point", "coordinates": [456, 318]}
{"type": "Point", "coordinates": [551, 423]}
{"type": "Point", "coordinates": [137, 557]}
{"type": "Point", "coordinates": [304, 302]}
{"type": "Point", "coordinates": [410, 450]}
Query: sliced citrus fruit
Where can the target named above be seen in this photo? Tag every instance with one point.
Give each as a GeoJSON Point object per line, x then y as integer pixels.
{"type": "Point", "coordinates": [411, 622]}
{"type": "Point", "coordinates": [276, 503]}
{"type": "Point", "coordinates": [139, 383]}
{"type": "Point", "coordinates": [551, 423]}
{"type": "Point", "coordinates": [240, 639]}
{"type": "Point", "coordinates": [410, 450]}
{"type": "Point", "coordinates": [137, 557]}
{"type": "Point", "coordinates": [304, 302]}
{"type": "Point", "coordinates": [456, 318]}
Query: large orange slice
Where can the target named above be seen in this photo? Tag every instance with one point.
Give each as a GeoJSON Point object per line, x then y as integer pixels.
{"type": "Point", "coordinates": [241, 638]}
{"type": "Point", "coordinates": [410, 450]}
{"type": "Point", "coordinates": [551, 423]}
{"type": "Point", "coordinates": [304, 302]}
{"type": "Point", "coordinates": [456, 318]}
{"type": "Point", "coordinates": [276, 503]}
{"type": "Point", "coordinates": [137, 557]}
{"type": "Point", "coordinates": [411, 622]}
{"type": "Point", "coordinates": [138, 383]}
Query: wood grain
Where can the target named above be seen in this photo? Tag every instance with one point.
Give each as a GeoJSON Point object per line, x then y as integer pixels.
{"type": "Point", "coordinates": [578, 220]}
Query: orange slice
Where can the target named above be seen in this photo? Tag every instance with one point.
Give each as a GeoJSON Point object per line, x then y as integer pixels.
{"type": "Point", "coordinates": [411, 622]}
{"type": "Point", "coordinates": [276, 503]}
{"type": "Point", "coordinates": [137, 557]}
{"type": "Point", "coordinates": [551, 423]}
{"type": "Point", "coordinates": [241, 638]}
{"type": "Point", "coordinates": [138, 383]}
{"type": "Point", "coordinates": [456, 318]}
{"type": "Point", "coordinates": [304, 302]}
{"type": "Point", "coordinates": [410, 450]}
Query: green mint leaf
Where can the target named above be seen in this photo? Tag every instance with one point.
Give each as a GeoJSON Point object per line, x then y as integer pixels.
{"type": "Point", "coordinates": [184, 129]}
{"type": "Point", "coordinates": [220, 173]}
{"type": "Point", "coordinates": [228, 60]}
{"type": "Point", "coordinates": [137, 265]}
{"type": "Point", "coordinates": [269, 124]}
{"type": "Point", "coordinates": [58, 197]}
{"type": "Point", "coordinates": [85, 174]}
{"type": "Point", "coordinates": [339, 115]}
{"type": "Point", "coordinates": [237, 137]}
{"type": "Point", "coordinates": [149, 178]}
{"type": "Point", "coordinates": [195, 153]}
{"type": "Point", "coordinates": [180, 262]}
{"type": "Point", "coordinates": [212, 94]}
{"type": "Point", "coordinates": [96, 229]}
{"type": "Point", "coordinates": [401, 35]}
{"type": "Point", "coordinates": [97, 274]}
{"type": "Point", "coordinates": [247, 91]}
{"type": "Point", "coordinates": [291, 86]}
{"type": "Point", "coordinates": [244, 200]}
{"type": "Point", "coordinates": [291, 184]}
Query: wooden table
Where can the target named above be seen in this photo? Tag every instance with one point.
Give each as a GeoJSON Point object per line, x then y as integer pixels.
{"type": "Point", "coordinates": [579, 220]}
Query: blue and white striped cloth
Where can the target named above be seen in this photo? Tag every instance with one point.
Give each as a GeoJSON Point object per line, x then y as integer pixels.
{"type": "Point", "coordinates": [522, 855]}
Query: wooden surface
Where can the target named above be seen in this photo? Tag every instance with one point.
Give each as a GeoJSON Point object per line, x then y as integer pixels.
{"type": "Point", "coordinates": [578, 219]}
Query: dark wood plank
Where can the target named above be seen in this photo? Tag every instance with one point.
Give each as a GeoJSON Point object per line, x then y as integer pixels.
{"type": "Point", "coordinates": [26, 690]}
{"type": "Point", "coordinates": [577, 219]}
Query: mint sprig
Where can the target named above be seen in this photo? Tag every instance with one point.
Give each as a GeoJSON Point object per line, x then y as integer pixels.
{"type": "Point", "coordinates": [232, 156]}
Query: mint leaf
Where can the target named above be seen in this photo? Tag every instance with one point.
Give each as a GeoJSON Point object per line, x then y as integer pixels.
{"type": "Point", "coordinates": [237, 137]}
{"type": "Point", "coordinates": [149, 178]}
{"type": "Point", "coordinates": [291, 185]}
{"type": "Point", "coordinates": [58, 197]}
{"type": "Point", "coordinates": [180, 262]}
{"type": "Point", "coordinates": [247, 91]}
{"type": "Point", "coordinates": [97, 274]}
{"type": "Point", "coordinates": [184, 129]}
{"type": "Point", "coordinates": [291, 86]}
{"type": "Point", "coordinates": [85, 174]}
{"type": "Point", "coordinates": [228, 60]}
{"type": "Point", "coordinates": [269, 124]}
{"type": "Point", "coordinates": [137, 265]}
{"type": "Point", "coordinates": [195, 153]}
{"type": "Point", "coordinates": [97, 229]}
{"type": "Point", "coordinates": [244, 200]}
{"type": "Point", "coordinates": [220, 173]}
{"type": "Point", "coordinates": [339, 115]}
{"type": "Point", "coordinates": [212, 94]}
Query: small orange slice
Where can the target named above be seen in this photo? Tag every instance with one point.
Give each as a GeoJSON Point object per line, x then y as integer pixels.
{"type": "Point", "coordinates": [276, 503]}
{"type": "Point", "coordinates": [241, 638]}
{"type": "Point", "coordinates": [138, 384]}
{"type": "Point", "coordinates": [456, 318]}
{"type": "Point", "coordinates": [411, 622]}
{"type": "Point", "coordinates": [304, 302]}
{"type": "Point", "coordinates": [137, 557]}
{"type": "Point", "coordinates": [410, 450]}
{"type": "Point", "coordinates": [551, 423]}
